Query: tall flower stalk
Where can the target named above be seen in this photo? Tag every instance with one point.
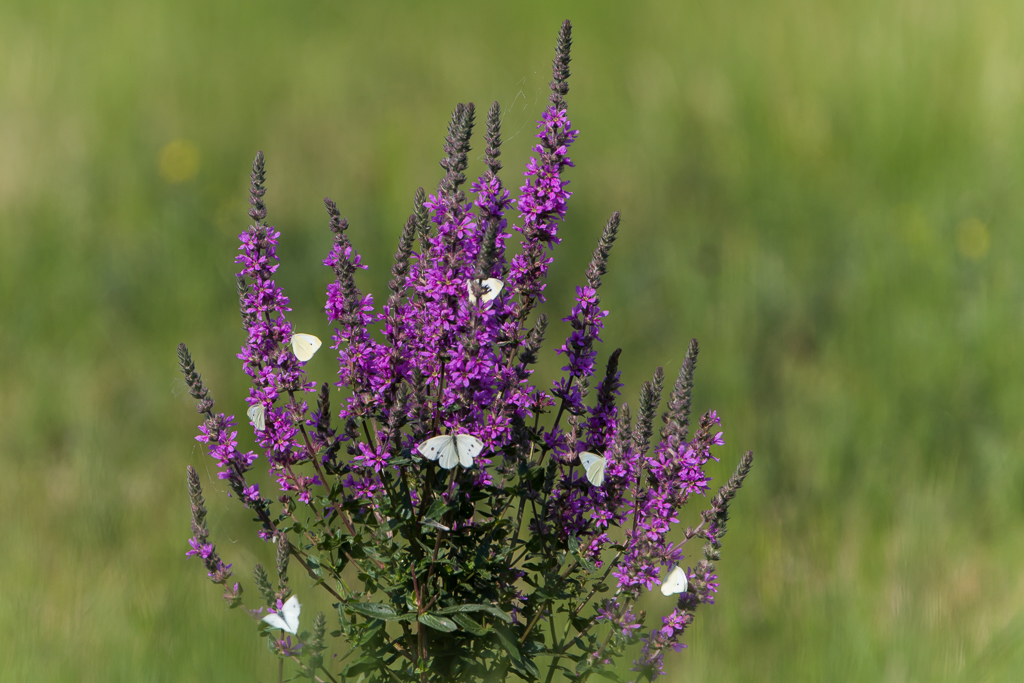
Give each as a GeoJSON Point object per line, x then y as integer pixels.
{"type": "Point", "coordinates": [443, 503]}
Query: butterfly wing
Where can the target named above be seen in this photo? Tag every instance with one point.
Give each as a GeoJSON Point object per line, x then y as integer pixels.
{"type": "Point", "coordinates": [276, 621]}
{"type": "Point", "coordinates": [257, 414]}
{"type": "Point", "coordinates": [432, 447]}
{"type": "Point", "coordinates": [595, 473]}
{"type": "Point", "coordinates": [287, 619]}
{"type": "Point", "coordinates": [675, 582]}
{"type": "Point", "coordinates": [493, 286]}
{"type": "Point", "coordinates": [449, 453]}
{"type": "Point", "coordinates": [469, 447]}
{"type": "Point", "coordinates": [290, 612]}
{"type": "Point", "coordinates": [304, 346]}
{"type": "Point", "coordinates": [450, 450]}
{"type": "Point", "coordinates": [595, 466]}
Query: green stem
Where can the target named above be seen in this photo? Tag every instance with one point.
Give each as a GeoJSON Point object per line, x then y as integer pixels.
{"type": "Point", "coordinates": [554, 662]}
{"type": "Point", "coordinates": [611, 632]}
{"type": "Point", "coordinates": [611, 565]}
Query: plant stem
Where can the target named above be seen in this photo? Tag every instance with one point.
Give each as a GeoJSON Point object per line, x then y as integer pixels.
{"type": "Point", "coordinates": [298, 556]}
{"type": "Point", "coordinates": [611, 565]}
{"type": "Point", "coordinates": [558, 584]}
{"type": "Point", "coordinates": [554, 662]}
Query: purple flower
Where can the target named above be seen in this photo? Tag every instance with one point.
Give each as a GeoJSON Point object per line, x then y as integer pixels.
{"type": "Point", "coordinates": [203, 550]}
{"type": "Point", "coordinates": [651, 660]}
{"type": "Point", "coordinates": [285, 647]}
{"type": "Point", "coordinates": [621, 617]}
{"type": "Point", "coordinates": [251, 494]}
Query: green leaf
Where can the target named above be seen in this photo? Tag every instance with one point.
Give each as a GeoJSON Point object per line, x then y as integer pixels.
{"type": "Point", "coordinates": [535, 476]}
{"type": "Point", "coordinates": [508, 641]}
{"type": "Point", "coordinates": [490, 609]}
{"type": "Point", "coordinates": [437, 623]}
{"type": "Point", "coordinates": [574, 545]}
{"type": "Point", "coordinates": [574, 549]}
{"type": "Point", "coordinates": [476, 495]}
{"type": "Point", "coordinates": [372, 553]}
{"type": "Point", "coordinates": [362, 665]}
{"type": "Point", "coordinates": [314, 566]}
{"type": "Point", "coordinates": [468, 624]}
{"type": "Point", "coordinates": [526, 668]}
{"type": "Point", "coordinates": [377, 610]}
{"type": "Point", "coordinates": [437, 509]}
{"type": "Point", "coordinates": [586, 665]}
{"type": "Point", "coordinates": [579, 623]}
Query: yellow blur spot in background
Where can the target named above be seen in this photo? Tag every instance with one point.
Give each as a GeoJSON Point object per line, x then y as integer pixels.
{"type": "Point", "coordinates": [179, 161]}
{"type": "Point", "coordinates": [973, 239]}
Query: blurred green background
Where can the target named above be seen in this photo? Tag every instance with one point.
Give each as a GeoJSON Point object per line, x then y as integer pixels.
{"type": "Point", "coordinates": [826, 194]}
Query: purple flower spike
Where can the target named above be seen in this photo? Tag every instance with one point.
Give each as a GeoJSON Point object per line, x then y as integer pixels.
{"type": "Point", "coordinates": [542, 207]}
{"type": "Point", "coordinates": [266, 355]}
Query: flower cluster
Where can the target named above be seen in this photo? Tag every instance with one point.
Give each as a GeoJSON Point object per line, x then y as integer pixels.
{"type": "Point", "coordinates": [471, 502]}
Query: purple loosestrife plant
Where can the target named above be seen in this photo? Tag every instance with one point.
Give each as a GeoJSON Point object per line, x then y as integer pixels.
{"type": "Point", "coordinates": [443, 504]}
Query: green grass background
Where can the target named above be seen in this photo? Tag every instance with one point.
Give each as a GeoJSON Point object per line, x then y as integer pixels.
{"type": "Point", "coordinates": [828, 195]}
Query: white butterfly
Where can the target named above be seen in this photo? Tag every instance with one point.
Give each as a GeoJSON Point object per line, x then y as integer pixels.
{"type": "Point", "coordinates": [288, 618]}
{"type": "Point", "coordinates": [304, 346]}
{"type": "Point", "coordinates": [492, 287]}
{"type": "Point", "coordinates": [452, 449]}
{"type": "Point", "coordinates": [595, 465]}
{"type": "Point", "coordinates": [258, 416]}
{"type": "Point", "coordinates": [675, 582]}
